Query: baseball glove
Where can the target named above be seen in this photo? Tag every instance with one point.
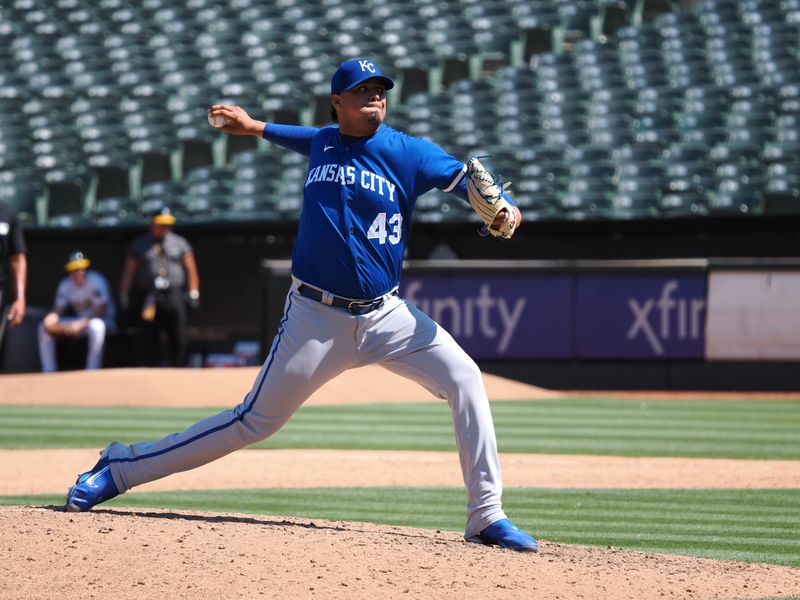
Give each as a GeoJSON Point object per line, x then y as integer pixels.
{"type": "Point", "coordinates": [487, 199]}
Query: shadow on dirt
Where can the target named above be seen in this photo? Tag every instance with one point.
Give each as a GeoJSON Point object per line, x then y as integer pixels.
{"type": "Point", "coordinates": [387, 530]}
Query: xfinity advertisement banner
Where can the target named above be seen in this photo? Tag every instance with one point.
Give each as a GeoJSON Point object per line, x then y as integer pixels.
{"type": "Point", "coordinates": [499, 317]}
{"type": "Point", "coordinates": [640, 317]}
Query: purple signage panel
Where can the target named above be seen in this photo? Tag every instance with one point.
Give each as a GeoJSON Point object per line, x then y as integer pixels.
{"type": "Point", "coordinates": [499, 317]}
{"type": "Point", "coordinates": [640, 317]}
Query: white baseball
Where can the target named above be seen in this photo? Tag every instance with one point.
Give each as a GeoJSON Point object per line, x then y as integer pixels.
{"type": "Point", "coordinates": [217, 121]}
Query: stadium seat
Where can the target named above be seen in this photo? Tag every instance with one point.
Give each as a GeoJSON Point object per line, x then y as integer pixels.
{"type": "Point", "coordinates": [637, 167]}
{"type": "Point", "coordinates": [688, 204]}
{"type": "Point", "coordinates": [682, 177]}
{"type": "Point", "coordinates": [155, 157]}
{"type": "Point", "coordinates": [25, 194]}
{"type": "Point", "coordinates": [112, 174]}
{"type": "Point", "coordinates": [450, 38]}
{"type": "Point", "coordinates": [195, 147]}
{"type": "Point", "coordinates": [413, 77]}
{"type": "Point", "coordinates": [581, 204]}
{"type": "Point", "coordinates": [490, 24]}
{"type": "Point", "coordinates": [117, 211]}
{"type": "Point", "coordinates": [646, 11]}
{"type": "Point", "coordinates": [161, 193]}
{"type": "Point", "coordinates": [70, 221]}
{"type": "Point", "coordinates": [735, 150]}
{"type": "Point", "coordinates": [637, 152]}
{"type": "Point", "coordinates": [545, 214]}
{"type": "Point", "coordinates": [611, 16]}
{"type": "Point", "coordinates": [655, 128]}
{"type": "Point", "coordinates": [736, 202]}
{"type": "Point", "coordinates": [782, 188]}
{"type": "Point", "coordinates": [691, 151]}
{"type": "Point", "coordinates": [634, 205]}
{"type": "Point", "coordinates": [574, 24]}
{"type": "Point", "coordinates": [66, 190]}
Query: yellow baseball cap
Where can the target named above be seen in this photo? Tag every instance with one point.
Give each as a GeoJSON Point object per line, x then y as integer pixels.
{"type": "Point", "coordinates": [163, 216]}
{"type": "Point", "coordinates": [76, 261]}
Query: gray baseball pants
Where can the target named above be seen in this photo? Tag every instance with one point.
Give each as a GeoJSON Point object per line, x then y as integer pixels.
{"type": "Point", "coordinates": [314, 344]}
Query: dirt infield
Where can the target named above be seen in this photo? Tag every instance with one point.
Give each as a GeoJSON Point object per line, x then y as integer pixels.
{"type": "Point", "coordinates": [49, 471]}
{"type": "Point", "coordinates": [223, 387]}
{"type": "Point", "coordinates": [172, 554]}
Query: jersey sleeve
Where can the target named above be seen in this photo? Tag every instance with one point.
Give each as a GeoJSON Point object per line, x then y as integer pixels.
{"type": "Point", "coordinates": [102, 289]}
{"type": "Point", "coordinates": [16, 237]}
{"type": "Point", "coordinates": [293, 137]}
{"type": "Point", "coordinates": [441, 170]}
{"type": "Point", "coordinates": [436, 168]}
{"type": "Point", "coordinates": [184, 245]}
{"type": "Point", "coordinates": [62, 296]}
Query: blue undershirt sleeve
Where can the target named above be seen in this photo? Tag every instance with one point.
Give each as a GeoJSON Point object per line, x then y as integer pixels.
{"type": "Point", "coordinates": [441, 170]}
{"type": "Point", "coordinates": [293, 137]}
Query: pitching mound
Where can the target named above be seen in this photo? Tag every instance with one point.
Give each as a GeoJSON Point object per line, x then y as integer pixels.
{"type": "Point", "coordinates": [171, 554]}
{"type": "Point", "coordinates": [224, 387]}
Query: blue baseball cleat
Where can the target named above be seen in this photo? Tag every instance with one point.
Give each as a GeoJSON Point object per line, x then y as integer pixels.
{"type": "Point", "coordinates": [505, 534]}
{"type": "Point", "coordinates": [92, 487]}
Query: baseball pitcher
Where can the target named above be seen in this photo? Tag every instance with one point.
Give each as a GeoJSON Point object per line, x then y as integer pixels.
{"type": "Point", "coordinates": [343, 309]}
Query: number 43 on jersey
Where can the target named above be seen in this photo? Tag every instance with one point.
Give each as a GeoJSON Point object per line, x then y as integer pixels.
{"type": "Point", "coordinates": [378, 231]}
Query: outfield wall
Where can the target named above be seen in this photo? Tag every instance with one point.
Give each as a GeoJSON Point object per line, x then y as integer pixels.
{"type": "Point", "coordinates": [608, 324]}
{"type": "Point", "coordinates": [730, 350]}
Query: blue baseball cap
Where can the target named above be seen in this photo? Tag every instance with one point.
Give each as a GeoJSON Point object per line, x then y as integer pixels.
{"type": "Point", "coordinates": [351, 73]}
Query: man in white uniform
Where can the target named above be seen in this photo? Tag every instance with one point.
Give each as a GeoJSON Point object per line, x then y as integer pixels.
{"type": "Point", "coordinates": [83, 308]}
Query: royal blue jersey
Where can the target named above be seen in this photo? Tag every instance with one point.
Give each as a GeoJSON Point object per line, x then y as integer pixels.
{"type": "Point", "coordinates": [358, 199]}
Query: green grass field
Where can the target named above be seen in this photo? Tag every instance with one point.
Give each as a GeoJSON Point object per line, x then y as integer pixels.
{"type": "Point", "coordinates": [751, 525]}
{"type": "Point", "coordinates": [760, 429]}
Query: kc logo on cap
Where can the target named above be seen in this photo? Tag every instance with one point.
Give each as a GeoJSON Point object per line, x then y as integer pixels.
{"type": "Point", "coordinates": [351, 73]}
{"type": "Point", "coordinates": [366, 65]}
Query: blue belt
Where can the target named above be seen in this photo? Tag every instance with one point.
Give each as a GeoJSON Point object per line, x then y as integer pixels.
{"type": "Point", "coordinates": [354, 307]}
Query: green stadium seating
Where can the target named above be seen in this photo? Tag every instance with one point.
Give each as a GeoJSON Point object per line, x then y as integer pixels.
{"type": "Point", "coordinates": [629, 109]}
